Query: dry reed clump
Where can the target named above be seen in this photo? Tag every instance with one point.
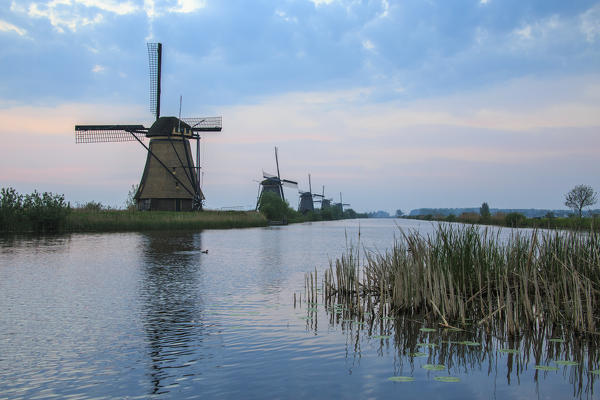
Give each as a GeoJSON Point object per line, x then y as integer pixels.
{"type": "Point", "coordinates": [464, 274]}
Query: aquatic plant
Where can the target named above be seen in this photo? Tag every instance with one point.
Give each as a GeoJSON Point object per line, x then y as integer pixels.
{"type": "Point", "coordinates": [460, 272]}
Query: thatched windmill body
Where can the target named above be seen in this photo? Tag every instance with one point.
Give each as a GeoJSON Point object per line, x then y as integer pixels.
{"type": "Point", "coordinates": [274, 183]}
{"type": "Point", "coordinates": [307, 199]}
{"type": "Point", "coordinates": [170, 181]}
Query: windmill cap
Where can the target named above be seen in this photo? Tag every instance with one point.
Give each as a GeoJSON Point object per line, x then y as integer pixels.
{"type": "Point", "coordinates": [165, 126]}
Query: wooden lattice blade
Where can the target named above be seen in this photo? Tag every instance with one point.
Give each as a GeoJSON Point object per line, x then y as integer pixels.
{"type": "Point", "coordinates": [204, 124]}
{"type": "Point", "coordinates": [109, 133]}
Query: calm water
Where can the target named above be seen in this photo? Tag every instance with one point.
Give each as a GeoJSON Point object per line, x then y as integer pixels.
{"type": "Point", "coordinates": [147, 314]}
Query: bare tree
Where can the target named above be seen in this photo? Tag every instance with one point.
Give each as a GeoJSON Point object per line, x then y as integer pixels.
{"type": "Point", "coordinates": [579, 197]}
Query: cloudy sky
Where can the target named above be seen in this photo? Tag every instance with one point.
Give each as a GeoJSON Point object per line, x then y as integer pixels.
{"type": "Point", "coordinates": [397, 104]}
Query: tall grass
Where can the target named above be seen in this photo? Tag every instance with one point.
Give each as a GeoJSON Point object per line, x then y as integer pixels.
{"type": "Point", "coordinates": [118, 220]}
{"type": "Point", "coordinates": [468, 275]}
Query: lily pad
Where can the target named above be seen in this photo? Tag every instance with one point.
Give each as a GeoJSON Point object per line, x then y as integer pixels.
{"type": "Point", "coordinates": [434, 367]}
{"type": "Point", "coordinates": [427, 330]}
{"type": "Point", "coordinates": [454, 329]}
{"type": "Point", "coordinates": [312, 309]}
{"type": "Point", "coordinates": [566, 362]}
{"type": "Point", "coordinates": [469, 343]}
{"type": "Point", "coordinates": [348, 320]}
{"type": "Point", "coordinates": [381, 337]}
{"type": "Point", "coordinates": [388, 318]}
{"type": "Point", "coordinates": [426, 345]}
{"type": "Point", "coordinates": [401, 379]}
{"type": "Point", "coordinates": [419, 354]}
{"type": "Point", "coordinates": [509, 351]}
{"type": "Point", "coordinates": [546, 368]}
{"type": "Point", "coordinates": [596, 372]}
{"type": "Point", "coordinates": [556, 340]}
{"type": "Point", "coordinates": [452, 379]}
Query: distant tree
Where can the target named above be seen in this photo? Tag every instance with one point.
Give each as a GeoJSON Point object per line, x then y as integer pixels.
{"type": "Point", "coordinates": [130, 203]}
{"type": "Point", "coordinates": [579, 197]}
{"type": "Point", "coordinates": [399, 213]}
{"type": "Point", "coordinates": [514, 219]}
{"type": "Point", "coordinates": [484, 210]}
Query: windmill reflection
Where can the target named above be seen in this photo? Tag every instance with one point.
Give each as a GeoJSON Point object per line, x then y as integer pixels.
{"type": "Point", "coordinates": [172, 306]}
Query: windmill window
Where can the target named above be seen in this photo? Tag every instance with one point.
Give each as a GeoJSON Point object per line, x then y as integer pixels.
{"type": "Point", "coordinates": [174, 171]}
{"type": "Point", "coordinates": [176, 185]}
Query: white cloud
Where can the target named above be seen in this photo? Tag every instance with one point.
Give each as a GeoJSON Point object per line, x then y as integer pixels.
{"type": "Point", "coordinates": [590, 23]}
{"type": "Point", "coordinates": [8, 27]}
{"type": "Point", "coordinates": [115, 7]}
{"type": "Point", "coordinates": [283, 15]}
{"type": "Point", "coordinates": [368, 45]}
{"type": "Point", "coordinates": [318, 3]}
{"type": "Point", "coordinates": [62, 15]}
{"type": "Point", "coordinates": [98, 68]}
{"type": "Point", "coordinates": [188, 6]}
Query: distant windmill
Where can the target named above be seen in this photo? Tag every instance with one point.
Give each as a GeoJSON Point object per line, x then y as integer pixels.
{"type": "Point", "coordinates": [325, 203]}
{"type": "Point", "coordinates": [274, 183]}
{"type": "Point", "coordinates": [170, 181]}
{"type": "Point", "coordinates": [307, 199]}
{"type": "Point", "coordinates": [341, 204]}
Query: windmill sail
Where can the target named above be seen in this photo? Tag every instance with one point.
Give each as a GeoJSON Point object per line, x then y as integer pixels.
{"type": "Point", "coordinates": [154, 62]}
{"type": "Point", "coordinates": [109, 133]}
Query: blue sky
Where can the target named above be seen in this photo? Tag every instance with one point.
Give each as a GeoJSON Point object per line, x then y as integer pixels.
{"type": "Point", "coordinates": [397, 104]}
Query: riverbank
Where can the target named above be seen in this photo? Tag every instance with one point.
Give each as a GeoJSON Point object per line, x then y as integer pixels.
{"type": "Point", "coordinates": [517, 220]}
{"type": "Point", "coordinates": [121, 220]}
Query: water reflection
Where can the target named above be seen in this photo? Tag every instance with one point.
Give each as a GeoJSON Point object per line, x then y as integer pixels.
{"type": "Point", "coordinates": [422, 349]}
{"type": "Point", "coordinates": [171, 300]}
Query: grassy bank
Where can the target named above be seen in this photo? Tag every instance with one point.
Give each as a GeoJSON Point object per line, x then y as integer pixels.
{"type": "Point", "coordinates": [516, 220]}
{"type": "Point", "coordinates": [465, 275]}
{"type": "Point", "coordinates": [119, 220]}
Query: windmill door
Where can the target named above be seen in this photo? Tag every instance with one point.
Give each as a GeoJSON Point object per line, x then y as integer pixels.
{"type": "Point", "coordinates": [177, 204]}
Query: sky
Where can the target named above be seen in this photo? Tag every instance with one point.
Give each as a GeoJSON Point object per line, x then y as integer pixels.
{"type": "Point", "coordinates": [395, 104]}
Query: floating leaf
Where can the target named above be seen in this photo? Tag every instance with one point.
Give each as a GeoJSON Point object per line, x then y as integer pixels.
{"type": "Point", "coordinates": [388, 318]}
{"type": "Point", "coordinates": [401, 379]}
{"type": "Point", "coordinates": [447, 379]}
{"type": "Point", "coordinates": [434, 367]}
{"type": "Point", "coordinates": [546, 368]}
{"type": "Point", "coordinates": [566, 362]}
{"type": "Point", "coordinates": [426, 345]}
{"type": "Point", "coordinates": [469, 343]}
{"type": "Point", "coordinates": [509, 351]}
{"type": "Point", "coordinates": [427, 330]}
{"type": "Point", "coordinates": [454, 329]}
{"type": "Point", "coordinates": [596, 372]}
{"type": "Point", "coordinates": [359, 322]}
{"type": "Point", "coordinates": [381, 337]}
{"type": "Point", "coordinates": [419, 354]}
{"type": "Point", "coordinates": [348, 320]}
{"type": "Point", "coordinates": [556, 340]}
{"type": "Point", "coordinates": [312, 309]}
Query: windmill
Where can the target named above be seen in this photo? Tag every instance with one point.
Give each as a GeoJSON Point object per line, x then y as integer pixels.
{"type": "Point", "coordinates": [341, 204]}
{"type": "Point", "coordinates": [325, 203]}
{"type": "Point", "coordinates": [170, 181]}
{"type": "Point", "coordinates": [274, 183]}
{"type": "Point", "coordinates": [307, 199]}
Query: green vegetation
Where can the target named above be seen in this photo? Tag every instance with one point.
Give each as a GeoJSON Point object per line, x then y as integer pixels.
{"type": "Point", "coordinates": [36, 212]}
{"type": "Point", "coordinates": [465, 275]}
{"type": "Point", "coordinates": [579, 197]}
{"type": "Point", "coordinates": [82, 220]}
{"type": "Point", "coordinates": [48, 212]}
{"type": "Point", "coordinates": [518, 220]}
{"type": "Point", "coordinates": [276, 209]}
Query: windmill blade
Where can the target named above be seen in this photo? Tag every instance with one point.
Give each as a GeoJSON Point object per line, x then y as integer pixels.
{"type": "Point", "coordinates": [204, 124]}
{"type": "Point", "coordinates": [267, 175]}
{"type": "Point", "coordinates": [317, 195]}
{"type": "Point", "coordinates": [109, 133]}
{"type": "Point", "coordinates": [154, 63]}
{"type": "Point", "coordinates": [289, 184]}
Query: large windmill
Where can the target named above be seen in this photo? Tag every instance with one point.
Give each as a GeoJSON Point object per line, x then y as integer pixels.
{"type": "Point", "coordinates": [274, 183]}
{"type": "Point", "coordinates": [171, 181]}
{"type": "Point", "coordinates": [307, 199]}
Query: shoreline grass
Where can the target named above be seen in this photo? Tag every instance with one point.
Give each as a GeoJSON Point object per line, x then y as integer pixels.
{"type": "Point", "coordinates": [462, 275]}
{"type": "Point", "coordinates": [123, 220]}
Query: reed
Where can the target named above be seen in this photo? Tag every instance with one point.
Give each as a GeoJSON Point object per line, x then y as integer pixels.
{"type": "Point", "coordinates": [464, 275]}
{"type": "Point", "coordinates": [122, 220]}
